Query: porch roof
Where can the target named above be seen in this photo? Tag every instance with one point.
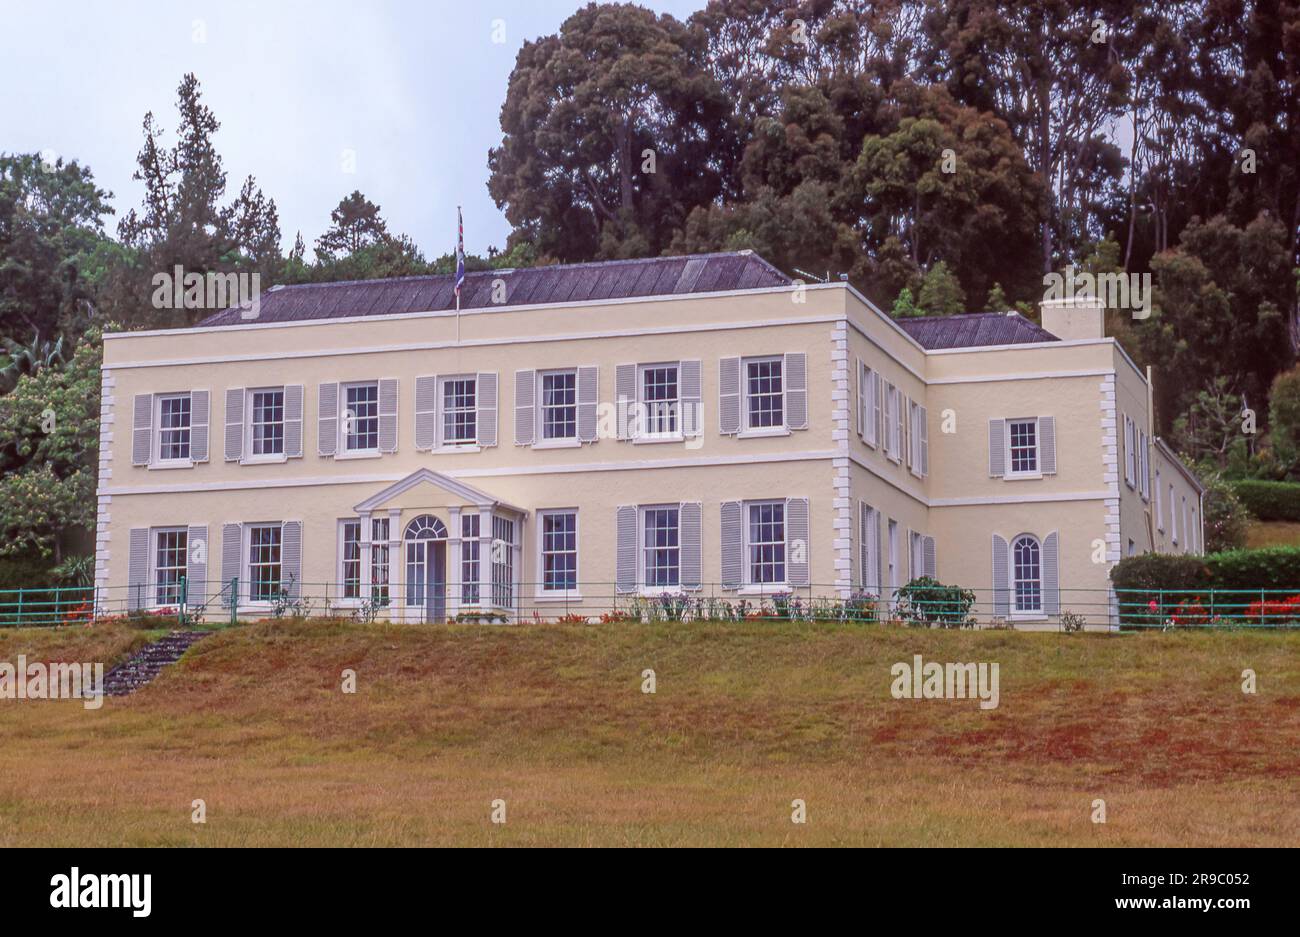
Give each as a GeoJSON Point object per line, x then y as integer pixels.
{"type": "Point", "coordinates": [427, 476]}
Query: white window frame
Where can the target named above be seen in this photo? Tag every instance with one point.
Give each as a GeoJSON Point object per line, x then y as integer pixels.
{"type": "Point", "coordinates": [540, 441]}
{"type": "Point", "coordinates": [246, 564]}
{"type": "Point", "coordinates": [643, 587]}
{"type": "Point", "coordinates": [893, 438]}
{"type": "Point", "coordinates": [249, 409]}
{"type": "Point", "coordinates": [644, 418]}
{"type": "Point", "coordinates": [1037, 470]}
{"type": "Point", "coordinates": [1014, 579]}
{"type": "Point", "coordinates": [1130, 452]}
{"type": "Point", "coordinates": [381, 544]}
{"type": "Point", "coordinates": [1173, 516]}
{"type": "Point", "coordinates": [1144, 467]}
{"type": "Point", "coordinates": [1160, 509]}
{"type": "Point", "coordinates": [156, 457]}
{"type": "Point", "coordinates": [782, 585]}
{"type": "Point", "coordinates": [916, 554]}
{"type": "Point", "coordinates": [456, 445]}
{"type": "Point", "coordinates": [870, 431]}
{"type": "Point", "coordinates": [892, 559]}
{"type": "Point", "coordinates": [342, 451]}
{"type": "Point", "coordinates": [503, 586]}
{"type": "Point", "coordinates": [154, 535]}
{"type": "Point", "coordinates": [868, 561]}
{"type": "Point", "coordinates": [341, 559]}
{"type": "Point", "coordinates": [543, 591]}
{"type": "Point", "coordinates": [1187, 545]}
{"type": "Point", "coordinates": [779, 429]}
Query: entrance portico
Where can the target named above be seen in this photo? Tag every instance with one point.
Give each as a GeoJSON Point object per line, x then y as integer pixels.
{"type": "Point", "coordinates": [433, 547]}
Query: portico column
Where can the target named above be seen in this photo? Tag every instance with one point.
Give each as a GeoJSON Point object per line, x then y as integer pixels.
{"type": "Point", "coordinates": [485, 597]}
{"type": "Point", "coordinates": [396, 564]}
{"type": "Point", "coordinates": [367, 536]}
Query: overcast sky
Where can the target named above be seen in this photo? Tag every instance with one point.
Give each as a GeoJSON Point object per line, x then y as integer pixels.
{"type": "Point", "coordinates": [412, 89]}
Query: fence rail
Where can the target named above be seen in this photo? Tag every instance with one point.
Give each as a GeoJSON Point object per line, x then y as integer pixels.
{"type": "Point", "coordinates": [601, 601]}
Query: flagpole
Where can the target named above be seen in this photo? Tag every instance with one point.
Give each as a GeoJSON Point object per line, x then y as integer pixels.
{"type": "Point", "coordinates": [460, 236]}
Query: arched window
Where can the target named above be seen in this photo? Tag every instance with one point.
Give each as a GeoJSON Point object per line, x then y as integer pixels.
{"type": "Point", "coordinates": [1027, 573]}
{"type": "Point", "coordinates": [426, 527]}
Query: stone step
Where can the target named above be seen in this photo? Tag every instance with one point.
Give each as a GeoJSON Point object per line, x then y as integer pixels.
{"type": "Point", "coordinates": [145, 664]}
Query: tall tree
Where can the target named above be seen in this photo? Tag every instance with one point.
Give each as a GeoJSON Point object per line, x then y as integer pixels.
{"type": "Point", "coordinates": [355, 223]}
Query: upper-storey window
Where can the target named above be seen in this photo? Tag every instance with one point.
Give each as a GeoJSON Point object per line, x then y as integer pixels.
{"type": "Point", "coordinates": [459, 411]}
{"type": "Point", "coordinates": [360, 422]}
{"type": "Point", "coordinates": [173, 427]}
{"type": "Point", "coordinates": [764, 393]}
{"type": "Point", "coordinates": [1022, 438]}
{"type": "Point", "coordinates": [266, 422]}
{"type": "Point", "coordinates": [660, 400]}
{"type": "Point", "coordinates": [558, 412]}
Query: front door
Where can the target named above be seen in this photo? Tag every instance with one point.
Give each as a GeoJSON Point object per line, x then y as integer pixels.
{"type": "Point", "coordinates": [426, 569]}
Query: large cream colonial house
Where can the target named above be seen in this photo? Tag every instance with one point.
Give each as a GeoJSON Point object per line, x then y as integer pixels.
{"type": "Point", "coordinates": [577, 436]}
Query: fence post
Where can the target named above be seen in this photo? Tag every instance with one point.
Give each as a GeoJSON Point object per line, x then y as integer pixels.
{"type": "Point", "coordinates": [234, 599]}
{"type": "Point", "coordinates": [20, 607]}
{"type": "Point", "coordinates": [180, 606]}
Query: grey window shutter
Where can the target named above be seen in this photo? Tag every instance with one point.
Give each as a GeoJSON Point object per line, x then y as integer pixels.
{"type": "Point", "coordinates": [142, 435]}
{"type": "Point", "coordinates": [137, 570]}
{"type": "Point", "coordinates": [997, 448]}
{"type": "Point", "coordinates": [291, 558]}
{"type": "Point", "coordinates": [426, 412]}
{"type": "Point", "coordinates": [327, 426]}
{"type": "Point", "coordinates": [234, 424]}
{"type": "Point", "coordinates": [796, 390]}
{"type": "Point", "coordinates": [924, 420]}
{"type": "Point", "coordinates": [486, 392]}
{"type": "Point", "coordinates": [625, 399]}
{"type": "Point", "coordinates": [1001, 590]}
{"type": "Point", "coordinates": [796, 541]}
{"type": "Point", "coordinates": [196, 565]}
{"type": "Point", "coordinates": [862, 399]}
{"type": "Point", "coordinates": [688, 514]}
{"type": "Point", "coordinates": [733, 545]}
{"type": "Point", "coordinates": [199, 421]}
{"type": "Point", "coordinates": [588, 402]}
{"type": "Point", "coordinates": [231, 550]}
{"type": "Point", "coordinates": [728, 396]}
{"type": "Point", "coordinates": [692, 398]}
{"type": "Point", "coordinates": [1051, 575]}
{"type": "Point", "coordinates": [1047, 444]}
{"type": "Point", "coordinates": [625, 559]}
{"type": "Point", "coordinates": [388, 396]}
{"type": "Point", "coordinates": [930, 560]}
{"type": "Point", "coordinates": [292, 421]}
{"type": "Point", "coordinates": [525, 421]}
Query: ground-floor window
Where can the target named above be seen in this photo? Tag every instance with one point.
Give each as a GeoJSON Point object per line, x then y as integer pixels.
{"type": "Point", "coordinates": [503, 562]}
{"type": "Point", "coordinates": [379, 534]}
{"type": "Point", "coordinates": [661, 555]}
{"type": "Point", "coordinates": [350, 559]}
{"type": "Point", "coordinates": [765, 542]}
{"type": "Point", "coordinates": [170, 550]}
{"type": "Point", "coordinates": [263, 562]}
{"type": "Point", "coordinates": [1026, 561]}
{"type": "Point", "coordinates": [559, 531]}
{"type": "Point", "coordinates": [469, 559]}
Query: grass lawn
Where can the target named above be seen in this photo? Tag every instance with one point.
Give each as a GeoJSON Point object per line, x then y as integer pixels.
{"type": "Point", "coordinates": [1272, 534]}
{"type": "Point", "coordinates": [746, 718]}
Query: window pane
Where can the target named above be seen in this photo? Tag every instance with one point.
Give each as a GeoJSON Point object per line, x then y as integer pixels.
{"type": "Point", "coordinates": [767, 543]}
{"type": "Point", "coordinates": [361, 417]}
{"type": "Point", "coordinates": [661, 547]}
{"type": "Point", "coordinates": [559, 405]}
{"type": "Point", "coordinates": [459, 411]}
{"type": "Point", "coordinates": [764, 394]}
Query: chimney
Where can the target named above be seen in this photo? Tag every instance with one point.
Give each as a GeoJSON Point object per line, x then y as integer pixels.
{"type": "Point", "coordinates": [1074, 319]}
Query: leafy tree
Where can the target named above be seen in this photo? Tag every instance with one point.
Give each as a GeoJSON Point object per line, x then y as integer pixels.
{"type": "Point", "coordinates": [1284, 419]}
{"type": "Point", "coordinates": [51, 219]}
{"type": "Point", "coordinates": [904, 307]}
{"type": "Point", "coordinates": [1212, 425]}
{"type": "Point", "coordinates": [1225, 517]}
{"type": "Point", "coordinates": [997, 301]}
{"type": "Point", "coordinates": [941, 294]}
{"type": "Point", "coordinates": [49, 425]}
{"type": "Point", "coordinates": [354, 224]}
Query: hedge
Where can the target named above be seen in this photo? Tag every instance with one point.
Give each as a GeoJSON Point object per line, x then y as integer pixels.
{"type": "Point", "coordinates": [1169, 579]}
{"type": "Point", "coordinates": [1269, 501]}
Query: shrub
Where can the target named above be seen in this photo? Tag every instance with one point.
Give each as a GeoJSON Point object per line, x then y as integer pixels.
{"type": "Point", "coordinates": [1070, 622]}
{"type": "Point", "coordinates": [924, 602]}
{"type": "Point", "coordinates": [1268, 568]}
{"type": "Point", "coordinates": [1268, 501]}
{"type": "Point", "coordinates": [1226, 517]}
{"type": "Point", "coordinates": [1148, 585]}
{"type": "Point", "coordinates": [860, 606]}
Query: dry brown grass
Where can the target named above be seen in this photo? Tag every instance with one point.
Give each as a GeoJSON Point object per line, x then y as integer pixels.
{"type": "Point", "coordinates": [747, 717]}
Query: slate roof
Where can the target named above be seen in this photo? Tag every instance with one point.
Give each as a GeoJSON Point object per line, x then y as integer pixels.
{"type": "Point", "coordinates": [973, 329]}
{"type": "Point", "coordinates": [615, 279]}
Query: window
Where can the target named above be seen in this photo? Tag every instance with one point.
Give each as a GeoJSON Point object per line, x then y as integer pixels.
{"type": "Point", "coordinates": [893, 420]}
{"type": "Point", "coordinates": [170, 551]}
{"type": "Point", "coordinates": [661, 547]}
{"type": "Point", "coordinates": [916, 554]}
{"type": "Point", "coordinates": [1173, 516]}
{"type": "Point", "coordinates": [893, 557]}
{"type": "Point", "coordinates": [1027, 575]}
{"type": "Point", "coordinates": [379, 528]}
{"type": "Point", "coordinates": [1187, 535]}
{"type": "Point", "coordinates": [660, 400]}
{"type": "Point", "coordinates": [764, 394]}
{"type": "Point", "coordinates": [559, 551]}
{"type": "Point", "coordinates": [1193, 532]}
{"type": "Point", "coordinates": [1130, 452]}
{"type": "Point", "coordinates": [503, 562]}
{"type": "Point", "coordinates": [350, 559]}
{"type": "Point", "coordinates": [870, 547]}
{"type": "Point", "coordinates": [1160, 507]}
{"type": "Point", "coordinates": [174, 428]}
{"type": "Point", "coordinates": [869, 405]}
{"type": "Point", "coordinates": [469, 555]}
{"type": "Point", "coordinates": [1132, 547]}
{"type": "Point", "coordinates": [1144, 467]}
{"type": "Point", "coordinates": [266, 422]}
{"type": "Point", "coordinates": [559, 409]}
{"type": "Point", "coordinates": [459, 411]}
{"type": "Point", "coordinates": [361, 417]}
{"type": "Point", "coordinates": [1022, 439]}
{"type": "Point", "coordinates": [765, 542]}
{"type": "Point", "coordinates": [263, 562]}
